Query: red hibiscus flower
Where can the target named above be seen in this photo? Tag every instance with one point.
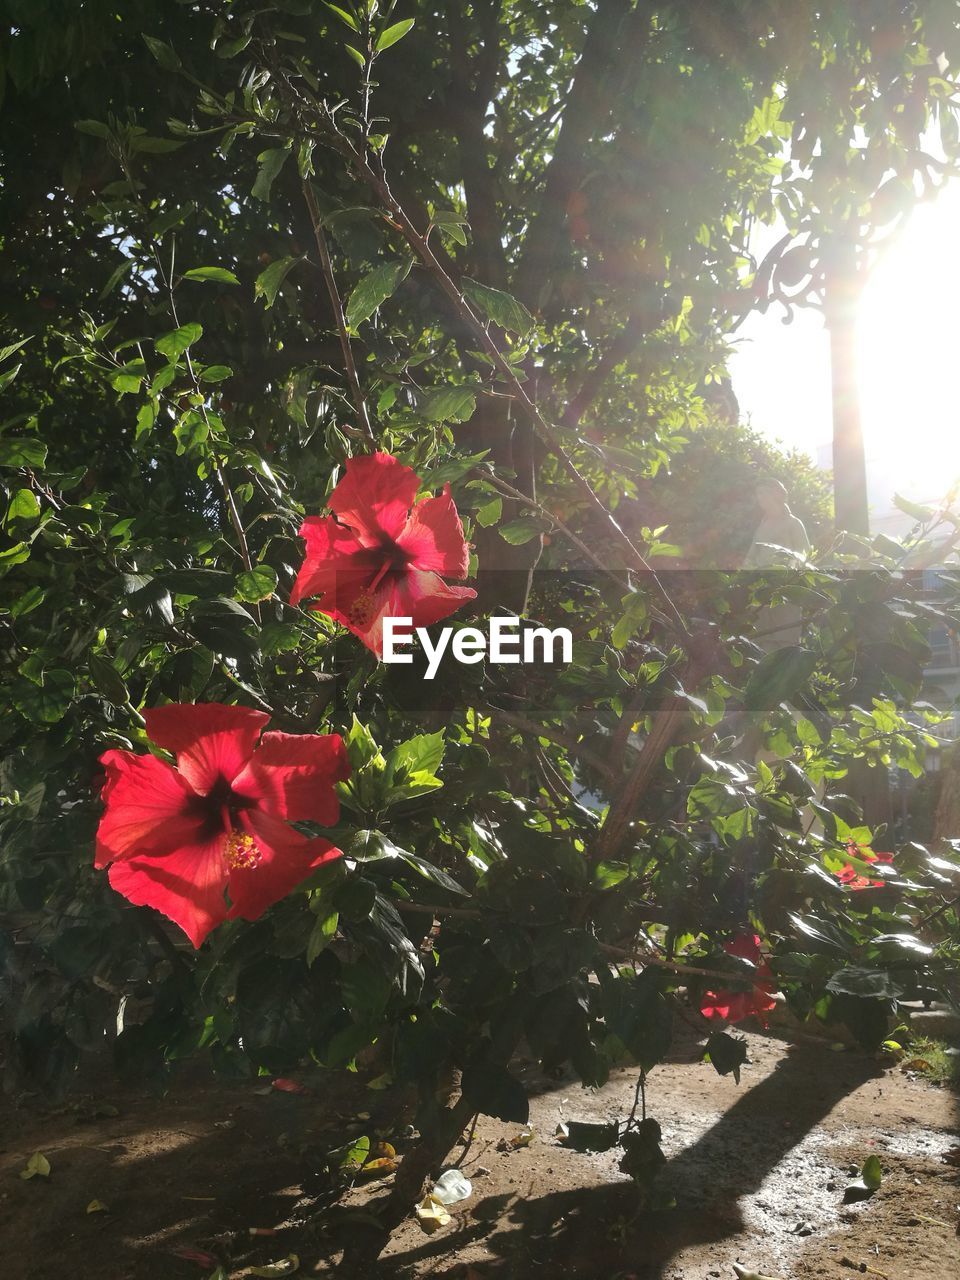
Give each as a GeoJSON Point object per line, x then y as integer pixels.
{"type": "Point", "coordinates": [734, 1006]}
{"type": "Point", "coordinates": [183, 839]}
{"type": "Point", "coordinates": [851, 878]}
{"type": "Point", "coordinates": [381, 555]}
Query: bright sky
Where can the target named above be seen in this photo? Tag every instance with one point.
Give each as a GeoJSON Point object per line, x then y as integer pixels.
{"type": "Point", "coordinates": [909, 364]}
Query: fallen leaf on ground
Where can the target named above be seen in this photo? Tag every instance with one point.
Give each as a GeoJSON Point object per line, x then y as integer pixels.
{"type": "Point", "coordinates": [289, 1086]}
{"type": "Point", "coordinates": [744, 1274]}
{"type": "Point", "coordinates": [871, 1176]}
{"type": "Point", "coordinates": [38, 1166]}
{"type": "Point", "coordinates": [97, 1206]}
{"type": "Point", "coordinates": [432, 1215]}
{"type": "Point", "coordinates": [378, 1168]}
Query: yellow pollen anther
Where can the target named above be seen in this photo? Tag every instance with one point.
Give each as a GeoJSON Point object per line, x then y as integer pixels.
{"type": "Point", "coordinates": [242, 852]}
{"type": "Point", "coordinates": [363, 609]}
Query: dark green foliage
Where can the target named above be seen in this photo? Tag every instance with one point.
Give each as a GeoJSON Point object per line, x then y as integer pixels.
{"type": "Point", "coordinates": [533, 854]}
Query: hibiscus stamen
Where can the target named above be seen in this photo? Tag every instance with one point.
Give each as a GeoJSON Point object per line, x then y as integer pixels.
{"type": "Point", "coordinates": [241, 852]}
{"type": "Point", "coordinates": [363, 610]}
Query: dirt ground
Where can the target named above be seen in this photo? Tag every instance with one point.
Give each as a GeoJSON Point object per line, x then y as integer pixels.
{"type": "Point", "coordinates": [221, 1175]}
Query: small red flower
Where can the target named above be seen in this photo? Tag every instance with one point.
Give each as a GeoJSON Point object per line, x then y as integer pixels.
{"type": "Point", "coordinates": [734, 1006]}
{"type": "Point", "coordinates": [180, 839]}
{"type": "Point", "coordinates": [381, 555]}
{"type": "Point", "coordinates": [851, 878]}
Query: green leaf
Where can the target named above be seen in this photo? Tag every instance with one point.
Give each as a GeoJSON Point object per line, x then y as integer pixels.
{"type": "Point", "coordinates": [116, 275]}
{"type": "Point", "coordinates": [374, 289]}
{"type": "Point", "coordinates": [778, 676]}
{"type": "Point", "coordinates": [164, 53]}
{"type": "Point", "coordinates": [216, 373]}
{"type": "Point", "coordinates": [126, 382]}
{"type": "Point", "coordinates": [146, 417]}
{"type": "Point", "coordinates": [452, 470]}
{"type": "Point", "coordinates": [499, 307]}
{"type": "Point", "coordinates": [107, 679]}
{"type": "Point", "coordinates": [27, 602]}
{"type": "Point", "coordinates": [20, 451]}
{"type": "Point", "coordinates": [47, 701]}
{"type": "Point", "coordinates": [93, 127]}
{"type": "Point", "coordinates": [923, 514]}
{"type": "Point", "coordinates": [871, 1177]}
{"type": "Point", "coordinates": [411, 767]}
{"type": "Point", "coordinates": [174, 344]}
{"type": "Point", "coordinates": [448, 404]}
{"type": "Point", "coordinates": [155, 146]}
{"type": "Point", "coordinates": [854, 980]}
{"type": "Point", "coordinates": [23, 506]}
{"type": "Point", "coordinates": [517, 532]}
{"type": "Point", "coordinates": [6, 352]}
{"type": "Point", "coordinates": [258, 583]}
{"type": "Point", "coordinates": [392, 34]}
{"type": "Point", "coordinates": [374, 846]}
{"type": "Point", "coordinates": [271, 278]}
{"type": "Point", "coordinates": [9, 376]}
{"type": "Point", "coordinates": [344, 17]}
{"type": "Point", "coordinates": [490, 513]}
{"type": "Point", "coordinates": [230, 48]}
{"type": "Point", "coordinates": [322, 934]}
{"type": "Point", "coordinates": [726, 1053]}
{"type": "Point", "coordinates": [422, 754]}
{"type": "Point", "coordinates": [271, 162]}
{"type": "Point", "coordinates": [356, 55]}
{"type": "Point", "coordinates": [872, 1173]}
{"type": "Point", "coordinates": [12, 556]}
{"type": "Point", "coordinates": [219, 274]}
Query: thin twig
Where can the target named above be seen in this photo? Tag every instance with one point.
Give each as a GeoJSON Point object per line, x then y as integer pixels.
{"type": "Point", "coordinates": [673, 966]}
{"type": "Point", "coordinates": [553, 735]}
{"type": "Point", "coordinates": [326, 267]}
{"type": "Point", "coordinates": [509, 491]}
{"type": "Point", "coordinates": [469, 1143]}
{"type": "Point", "coordinates": [639, 1099]}
{"type": "Point", "coordinates": [431, 909]}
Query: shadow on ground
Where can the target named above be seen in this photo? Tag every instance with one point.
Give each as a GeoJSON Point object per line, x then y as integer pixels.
{"type": "Point", "coordinates": [596, 1231]}
{"type": "Point", "coordinates": [203, 1167]}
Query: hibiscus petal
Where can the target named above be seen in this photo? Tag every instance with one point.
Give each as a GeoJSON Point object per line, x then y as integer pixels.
{"type": "Point", "coordinates": [186, 886]}
{"type": "Point", "coordinates": [433, 537]}
{"type": "Point", "coordinates": [426, 598]}
{"type": "Point", "coordinates": [292, 776]}
{"type": "Point", "coordinates": [335, 564]}
{"type": "Point", "coordinates": [374, 496]}
{"type": "Point", "coordinates": [413, 593]}
{"type": "Point", "coordinates": [211, 741]}
{"type": "Point", "coordinates": [150, 809]}
{"type": "Point", "coordinates": [746, 946]}
{"type": "Point", "coordinates": [285, 858]}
